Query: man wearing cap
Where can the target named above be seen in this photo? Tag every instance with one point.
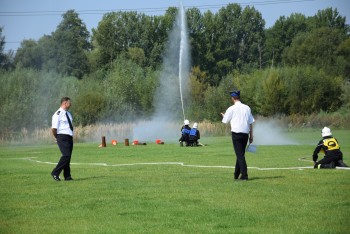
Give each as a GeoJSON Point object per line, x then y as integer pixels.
{"type": "Point", "coordinates": [330, 147]}
{"type": "Point", "coordinates": [62, 130]}
{"type": "Point", "coordinates": [241, 119]}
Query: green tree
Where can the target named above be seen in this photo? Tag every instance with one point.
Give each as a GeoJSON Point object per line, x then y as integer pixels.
{"type": "Point", "coordinates": [29, 98]}
{"type": "Point", "coordinates": [137, 55]}
{"type": "Point", "coordinates": [128, 90]}
{"type": "Point", "coordinates": [229, 36]}
{"type": "Point", "coordinates": [343, 52]}
{"type": "Point", "coordinates": [152, 38]}
{"type": "Point", "coordinates": [5, 59]}
{"type": "Point", "coordinates": [29, 55]}
{"type": "Point", "coordinates": [89, 107]}
{"type": "Point", "coordinates": [47, 45]}
{"type": "Point", "coordinates": [274, 94]}
{"type": "Point", "coordinates": [311, 90]}
{"type": "Point", "coordinates": [317, 48]}
{"type": "Point", "coordinates": [281, 35]}
{"type": "Point", "coordinates": [119, 31]}
{"type": "Point", "coordinates": [207, 61]}
{"type": "Point", "coordinates": [198, 86]}
{"type": "Point", "coordinates": [329, 18]}
{"type": "Point", "coordinates": [252, 39]}
{"type": "Point", "coordinates": [2, 47]}
{"type": "Point", "coordinates": [69, 47]}
{"type": "Point", "coordinates": [217, 99]}
{"type": "Point", "coordinates": [232, 39]}
{"type": "Point", "coordinates": [196, 35]}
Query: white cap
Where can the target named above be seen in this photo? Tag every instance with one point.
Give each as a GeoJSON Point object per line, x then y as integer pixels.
{"type": "Point", "coordinates": [195, 125]}
{"type": "Point", "coordinates": [326, 132]}
{"type": "Point", "coordinates": [186, 122]}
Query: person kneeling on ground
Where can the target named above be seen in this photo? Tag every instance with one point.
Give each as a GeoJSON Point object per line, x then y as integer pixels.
{"type": "Point", "coordinates": [330, 147]}
{"type": "Point", "coordinates": [194, 135]}
{"type": "Point", "coordinates": [185, 133]}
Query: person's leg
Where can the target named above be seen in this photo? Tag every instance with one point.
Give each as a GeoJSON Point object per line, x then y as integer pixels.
{"type": "Point", "coordinates": [187, 140]}
{"type": "Point", "coordinates": [66, 169]}
{"type": "Point", "coordinates": [181, 140]}
{"type": "Point", "coordinates": [239, 141]}
{"type": "Point", "coordinates": [237, 170]}
{"type": "Point", "coordinates": [341, 163]}
{"type": "Point", "coordinates": [190, 141]}
{"type": "Point", "coordinates": [66, 147]}
{"type": "Point", "coordinates": [237, 167]}
{"type": "Point", "coordinates": [327, 162]}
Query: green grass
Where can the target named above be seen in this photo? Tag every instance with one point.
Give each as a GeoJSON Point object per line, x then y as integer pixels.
{"type": "Point", "coordinates": [173, 198]}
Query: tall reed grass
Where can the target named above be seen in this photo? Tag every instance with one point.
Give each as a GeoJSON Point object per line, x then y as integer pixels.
{"type": "Point", "coordinates": [94, 133]}
{"type": "Point", "coordinates": [120, 131]}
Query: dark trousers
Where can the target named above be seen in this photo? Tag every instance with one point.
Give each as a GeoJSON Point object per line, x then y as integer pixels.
{"type": "Point", "coordinates": [184, 138]}
{"type": "Point", "coordinates": [65, 143]}
{"type": "Point", "coordinates": [240, 141]}
{"type": "Point", "coordinates": [327, 160]}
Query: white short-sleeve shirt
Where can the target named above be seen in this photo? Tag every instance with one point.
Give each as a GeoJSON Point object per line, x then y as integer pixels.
{"type": "Point", "coordinates": [60, 122]}
{"type": "Point", "coordinates": [240, 117]}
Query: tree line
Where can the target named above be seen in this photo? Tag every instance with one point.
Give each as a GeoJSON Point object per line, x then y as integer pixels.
{"type": "Point", "coordinates": [300, 65]}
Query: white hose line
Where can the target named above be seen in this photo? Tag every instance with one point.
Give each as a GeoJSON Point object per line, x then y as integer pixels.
{"type": "Point", "coordinates": [32, 159]}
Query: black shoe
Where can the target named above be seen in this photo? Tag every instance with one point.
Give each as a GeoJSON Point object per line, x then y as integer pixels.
{"type": "Point", "coordinates": [244, 178]}
{"type": "Point", "coordinates": [56, 177]}
{"type": "Point", "coordinates": [68, 178]}
{"type": "Point", "coordinates": [235, 176]}
{"type": "Point", "coordinates": [341, 164]}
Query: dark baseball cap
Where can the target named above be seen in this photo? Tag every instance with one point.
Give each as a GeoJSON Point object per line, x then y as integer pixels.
{"type": "Point", "coordinates": [235, 93]}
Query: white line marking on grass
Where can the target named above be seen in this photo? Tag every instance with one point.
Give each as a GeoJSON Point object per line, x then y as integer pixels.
{"type": "Point", "coordinates": [178, 163]}
{"type": "Point", "coordinates": [339, 168]}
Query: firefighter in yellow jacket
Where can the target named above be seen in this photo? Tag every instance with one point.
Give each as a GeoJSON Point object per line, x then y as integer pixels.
{"type": "Point", "coordinates": [330, 147]}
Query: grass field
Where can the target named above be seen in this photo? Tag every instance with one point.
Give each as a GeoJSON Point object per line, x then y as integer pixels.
{"type": "Point", "coordinates": [120, 189]}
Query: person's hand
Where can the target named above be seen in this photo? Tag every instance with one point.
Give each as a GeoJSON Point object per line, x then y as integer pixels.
{"type": "Point", "coordinates": [250, 140]}
{"type": "Point", "coordinates": [222, 114]}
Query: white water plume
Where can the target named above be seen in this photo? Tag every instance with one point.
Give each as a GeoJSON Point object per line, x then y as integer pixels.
{"type": "Point", "coordinates": [172, 95]}
{"type": "Point", "coordinates": [183, 50]}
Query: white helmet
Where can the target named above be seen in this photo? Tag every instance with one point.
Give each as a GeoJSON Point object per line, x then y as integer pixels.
{"type": "Point", "coordinates": [186, 122]}
{"type": "Point", "coordinates": [326, 132]}
{"type": "Point", "coordinates": [195, 125]}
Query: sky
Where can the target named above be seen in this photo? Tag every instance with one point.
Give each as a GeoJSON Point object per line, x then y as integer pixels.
{"type": "Point", "coordinates": [32, 19]}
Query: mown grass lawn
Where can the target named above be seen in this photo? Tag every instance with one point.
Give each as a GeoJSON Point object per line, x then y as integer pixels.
{"type": "Point", "coordinates": [118, 189]}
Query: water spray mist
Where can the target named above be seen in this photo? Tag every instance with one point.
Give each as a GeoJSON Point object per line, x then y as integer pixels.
{"type": "Point", "coordinates": [173, 91]}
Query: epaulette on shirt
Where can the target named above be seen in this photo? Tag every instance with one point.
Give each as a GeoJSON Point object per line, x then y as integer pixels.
{"type": "Point", "coordinates": [58, 112]}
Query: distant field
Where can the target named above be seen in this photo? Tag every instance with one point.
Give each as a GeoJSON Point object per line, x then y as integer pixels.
{"type": "Point", "coordinates": [172, 189]}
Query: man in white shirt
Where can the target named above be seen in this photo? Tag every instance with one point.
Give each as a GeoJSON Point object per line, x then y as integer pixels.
{"type": "Point", "coordinates": [62, 130]}
{"type": "Point", "coordinates": [241, 119]}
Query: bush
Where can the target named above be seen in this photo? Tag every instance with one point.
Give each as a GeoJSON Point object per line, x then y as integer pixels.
{"type": "Point", "coordinates": [29, 98]}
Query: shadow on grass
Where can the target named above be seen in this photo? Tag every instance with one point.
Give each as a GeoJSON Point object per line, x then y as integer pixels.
{"type": "Point", "coordinates": [90, 178]}
{"type": "Point", "coordinates": [266, 177]}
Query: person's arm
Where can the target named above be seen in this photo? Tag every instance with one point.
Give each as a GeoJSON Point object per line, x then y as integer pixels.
{"type": "Point", "coordinates": [251, 133]}
{"type": "Point", "coordinates": [226, 118]}
{"type": "Point", "coordinates": [316, 151]}
{"type": "Point", "coordinates": [54, 132]}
